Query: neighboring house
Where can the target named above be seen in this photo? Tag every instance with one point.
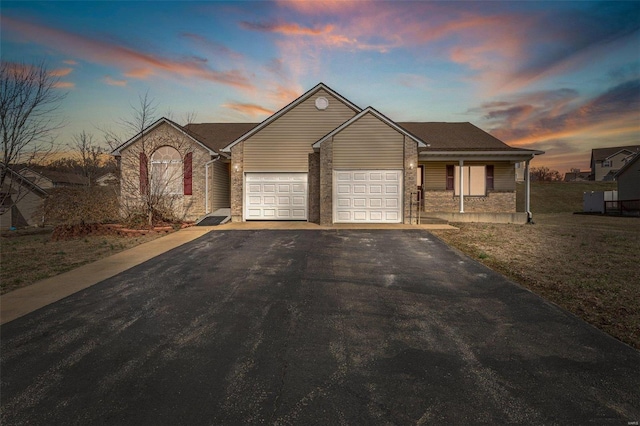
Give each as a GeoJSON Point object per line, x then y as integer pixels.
{"type": "Point", "coordinates": [47, 179]}
{"type": "Point", "coordinates": [628, 178]}
{"type": "Point", "coordinates": [21, 201]}
{"type": "Point", "coordinates": [108, 179]}
{"type": "Point", "coordinates": [605, 162]}
{"type": "Point", "coordinates": [577, 176]}
{"type": "Point", "coordinates": [323, 159]}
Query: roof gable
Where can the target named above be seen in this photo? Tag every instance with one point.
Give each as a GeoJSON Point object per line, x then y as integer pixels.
{"type": "Point", "coordinates": [290, 106]}
{"type": "Point", "coordinates": [23, 181]}
{"type": "Point", "coordinates": [628, 165]}
{"type": "Point", "coordinates": [379, 116]}
{"type": "Point", "coordinates": [600, 154]}
{"type": "Point", "coordinates": [218, 135]}
{"type": "Point", "coordinates": [163, 120]}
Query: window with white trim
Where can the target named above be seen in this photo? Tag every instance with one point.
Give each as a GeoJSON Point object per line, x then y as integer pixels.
{"type": "Point", "coordinates": [166, 171]}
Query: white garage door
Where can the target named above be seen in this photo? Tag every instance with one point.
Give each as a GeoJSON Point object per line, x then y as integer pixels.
{"type": "Point", "coordinates": [373, 196]}
{"type": "Point", "coordinates": [276, 196]}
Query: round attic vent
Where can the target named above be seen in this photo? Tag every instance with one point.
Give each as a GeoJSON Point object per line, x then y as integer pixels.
{"type": "Point", "coordinates": [322, 103]}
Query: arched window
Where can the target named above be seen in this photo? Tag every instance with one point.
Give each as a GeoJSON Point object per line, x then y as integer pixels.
{"type": "Point", "coordinates": [166, 171]}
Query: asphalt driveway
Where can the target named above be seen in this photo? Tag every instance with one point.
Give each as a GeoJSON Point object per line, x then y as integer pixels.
{"type": "Point", "coordinates": [312, 327]}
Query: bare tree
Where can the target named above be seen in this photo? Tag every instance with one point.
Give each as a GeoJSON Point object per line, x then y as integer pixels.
{"type": "Point", "coordinates": [89, 153]}
{"type": "Point", "coordinates": [544, 174]}
{"type": "Point", "coordinates": [29, 104]}
{"type": "Point", "coordinates": [151, 169]}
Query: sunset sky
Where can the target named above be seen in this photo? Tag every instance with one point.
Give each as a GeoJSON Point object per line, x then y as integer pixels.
{"type": "Point", "coordinates": [562, 77]}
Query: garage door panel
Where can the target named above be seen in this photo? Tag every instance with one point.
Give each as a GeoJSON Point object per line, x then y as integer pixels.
{"type": "Point", "coordinates": [276, 196]}
{"type": "Point", "coordinates": [368, 196]}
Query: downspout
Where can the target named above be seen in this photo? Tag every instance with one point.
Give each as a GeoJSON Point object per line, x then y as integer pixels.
{"type": "Point", "coordinates": [461, 177]}
{"type": "Point", "coordinates": [527, 192]}
{"type": "Point", "coordinates": [207, 209]}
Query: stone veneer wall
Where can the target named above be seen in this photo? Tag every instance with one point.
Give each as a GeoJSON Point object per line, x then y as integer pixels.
{"type": "Point", "coordinates": [326, 182]}
{"type": "Point", "coordinates": [409, 178]}
{"type": "Point", "coordinates": [237, 181]}
{"type": "Point", "coordinates": [313, 180]}
{"type": "Point", "coordinates": [494, 202]}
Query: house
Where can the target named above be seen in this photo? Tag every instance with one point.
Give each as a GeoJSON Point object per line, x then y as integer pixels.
{"type": "Point", "coordinates": [21, 201]}
{"type": "Point", "coordinates": [324, 159]}
{"type": "Point", "coordinates": [628, 178]}
{"type": "Point", "coordinates": [577, 176]}
{"type": "Point", "coordinates": [107, 179]}
{"type": "Point", "coordinates": [605, 162]}
{"type": "Point", "coordinates": [47, 179]}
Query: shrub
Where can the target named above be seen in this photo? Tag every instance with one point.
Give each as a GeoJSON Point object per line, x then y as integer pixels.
{"type": "Point", "coordinates": [71, 206]}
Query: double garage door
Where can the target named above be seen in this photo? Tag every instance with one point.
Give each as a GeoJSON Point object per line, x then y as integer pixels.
{"type": "Point", "coordinates": [276, 196]}
{"type": "Point", "coordinates": [373, 196]}
{"type": "Point", "coordinates": [364, 196]}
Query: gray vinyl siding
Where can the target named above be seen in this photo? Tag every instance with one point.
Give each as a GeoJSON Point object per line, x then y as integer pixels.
{"type": "Point", "coordinates": [285, 144]}
{"type": "Point", "coordinates": [629, 183]}
{"type": "Point", "coordinates": [220, 186]}
{"type": "Point", "coordinates": [504, 178]}
{"type": "Point", "coordinates": [368, 143]}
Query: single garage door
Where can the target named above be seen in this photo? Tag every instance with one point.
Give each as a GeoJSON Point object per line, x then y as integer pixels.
{"type": "Point", "coordinates": [276, 196]}
{"type": "Point", "coordinates": [373, 196]}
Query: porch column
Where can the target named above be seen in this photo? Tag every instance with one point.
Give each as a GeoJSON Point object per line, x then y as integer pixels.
{"type": "Point", "coordinates": [461, 179]}
{"type": "Point", "coordinates": [527, 190]}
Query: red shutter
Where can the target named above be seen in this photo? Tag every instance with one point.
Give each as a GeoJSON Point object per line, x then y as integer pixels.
{"type": "Point", "coordinates": [188, 174]}
{"type": "Point", "coordinates": [450, 170]}
{"type": "Point", "coordinates": [489, 177]}
{"type": "Point", "coordinates": [144, 176]}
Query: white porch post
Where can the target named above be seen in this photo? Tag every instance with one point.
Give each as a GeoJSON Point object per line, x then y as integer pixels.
{"type": "Point", "coordinates": [461, 178]}
{"type": "Point", "coordinates": [527, 190]}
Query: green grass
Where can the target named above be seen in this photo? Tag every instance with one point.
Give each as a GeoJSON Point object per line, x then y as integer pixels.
{"type": "Point", "coordinates": [559, 197]}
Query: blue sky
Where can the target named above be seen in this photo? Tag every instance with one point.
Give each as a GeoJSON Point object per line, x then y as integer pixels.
{"type": "Point", "coordinates": [563, 77]}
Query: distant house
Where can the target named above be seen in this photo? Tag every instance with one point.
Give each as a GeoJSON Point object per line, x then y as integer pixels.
{"type": "Point", "coordinates": [47, 179]}
{"type": "Point", "coordinates": [577, 176]}
{"type": "Point", "coordinates": [605, 162]}
{"type": "Point", "coordinates": [21, 200]}
{"type": "Point", "coordinates": [107, 179]}
{"type": "Point", "coordinates": [628, 178]}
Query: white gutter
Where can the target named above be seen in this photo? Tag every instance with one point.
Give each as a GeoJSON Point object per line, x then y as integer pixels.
{"type": "Point", "coordinates": [207, 210]}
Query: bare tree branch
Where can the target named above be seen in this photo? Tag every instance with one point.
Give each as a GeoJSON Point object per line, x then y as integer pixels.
{"type": "Point", "coordinates": [29, 103]}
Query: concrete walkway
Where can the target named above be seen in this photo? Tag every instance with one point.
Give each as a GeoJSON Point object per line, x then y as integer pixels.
{"type": "Point", "coordinates": [42, 293]}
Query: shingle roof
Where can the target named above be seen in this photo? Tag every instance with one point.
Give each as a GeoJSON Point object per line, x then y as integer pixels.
{"type": "Point", "coordinates": [218, 135]}
{"type": "Point", "coordinates": [600, 154]}
{"type": "Point", "coordinates": [455, 137]}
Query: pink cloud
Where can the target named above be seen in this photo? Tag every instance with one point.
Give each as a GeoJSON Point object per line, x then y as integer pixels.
{"type": "Point", "coordinates": [250, 109]}
{"type": "Point", "coordinates": [64, 85]}
{"type": "Point", "coordinates": [128, 59]}
{"type": "Point", "coordinates": [113, 82]}
{"type": "Point", "coordinates": [61, 72]}
{"type": "Point", "coordinates": [70, 62]}
{"type": "Point", "coordinates": [286, 28]}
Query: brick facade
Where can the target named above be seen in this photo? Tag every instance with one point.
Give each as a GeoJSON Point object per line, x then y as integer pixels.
{"type": "Point", "coordinates": [313, 180]}
{"type": "Point", "coordinates": [326, 183]}
{"type": "Point", "coordinates": [445, 201]}
{"type": "Point", "coordinates": [184, 207]}
{"type": "Point", "coordinates": [237, 181]}
{"type": "Point", "coordinates": [410, 178]}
